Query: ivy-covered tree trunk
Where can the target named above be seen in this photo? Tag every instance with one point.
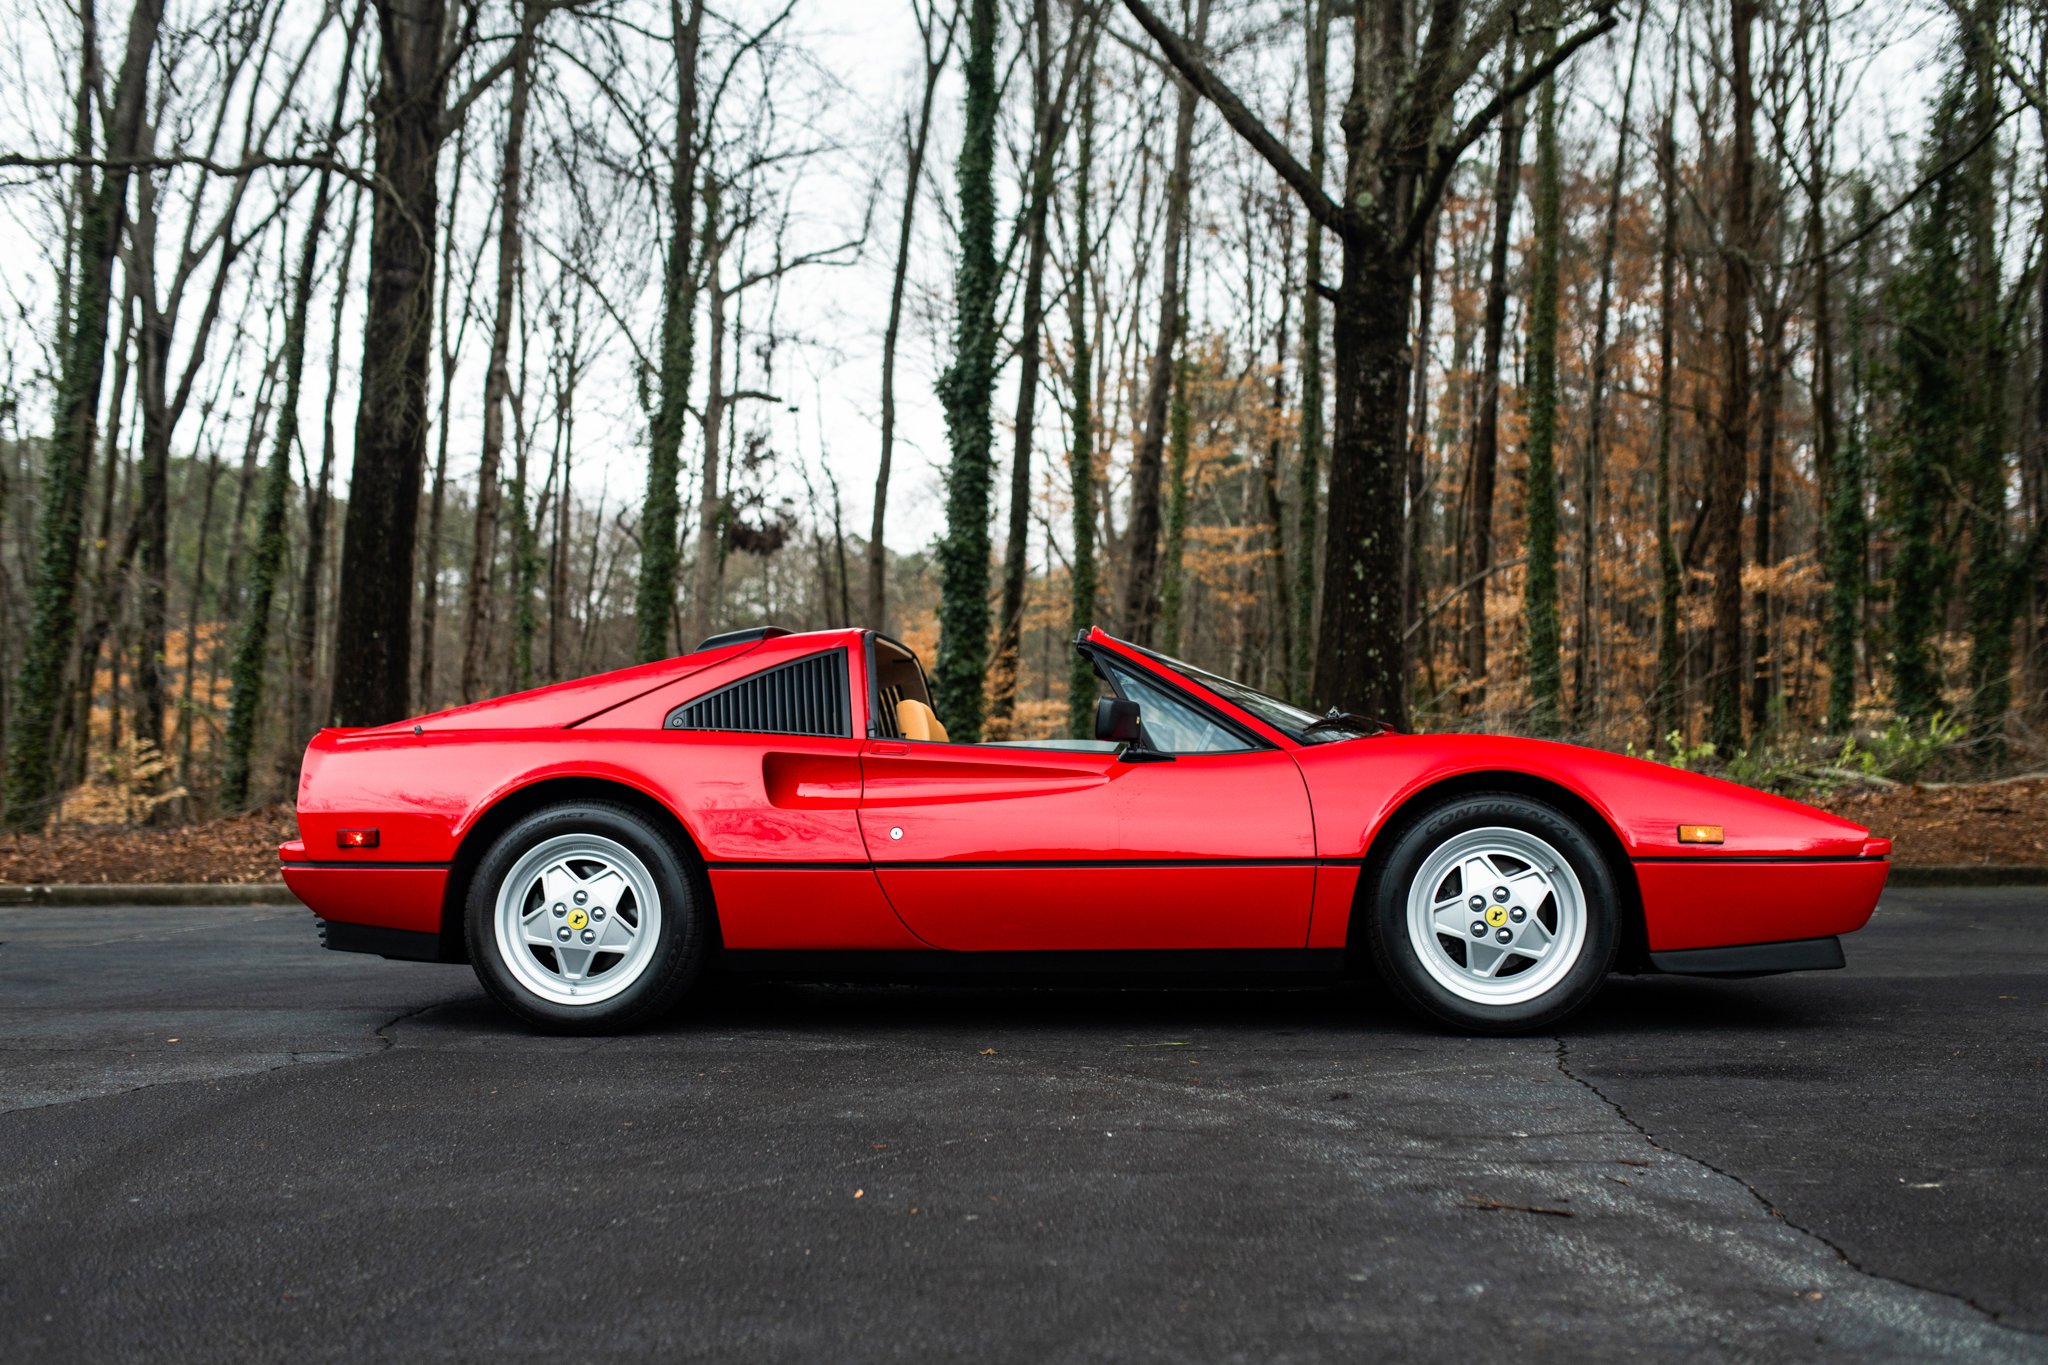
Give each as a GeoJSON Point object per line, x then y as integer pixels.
{"type": "Point", "coordinates": [967, 388]}
{"type": "Point", "coordinates": [1081, 463]}
{"type": "Point", "coordinates": [662, 509]}
{"type": "Point", "coordinates": [1540, 615]}
{"type": "Point", "coordinates": [1996, 574]}
{"type": "Point", "coordinates": [53, 621]}
{"type": "Point", "coordinates": [252, 640]}
{"type": "Point", "coordinates": [1046, 108]}
{"type": "Point", "coordinates": [1937, 314]}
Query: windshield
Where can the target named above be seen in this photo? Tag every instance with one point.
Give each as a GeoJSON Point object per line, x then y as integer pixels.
{"type": "Point", "coordinates": [1303, 727]}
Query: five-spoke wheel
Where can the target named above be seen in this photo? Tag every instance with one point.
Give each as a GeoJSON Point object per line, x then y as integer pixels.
{"type": "Point", "coordinates": [587, 917]}
{"type": "Point", "coordinates": [1494, 912]}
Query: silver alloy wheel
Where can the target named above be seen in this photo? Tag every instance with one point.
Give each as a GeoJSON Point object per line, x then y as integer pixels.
{"type": "Point", "coordinates": [1496, 916]}
{"type": "Point", "coordinates": [578, 918]}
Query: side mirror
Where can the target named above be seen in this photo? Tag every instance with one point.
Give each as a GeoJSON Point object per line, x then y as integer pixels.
{"type": "Point", "coordinates": [1116, 720]}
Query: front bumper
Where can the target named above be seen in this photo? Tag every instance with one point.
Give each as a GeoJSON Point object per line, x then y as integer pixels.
{"type": "Point", "coordinates": [1696, 904]}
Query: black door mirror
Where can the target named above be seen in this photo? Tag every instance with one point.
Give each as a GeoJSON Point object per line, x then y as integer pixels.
{"type": "Point", "coordinates": [1116, 720]}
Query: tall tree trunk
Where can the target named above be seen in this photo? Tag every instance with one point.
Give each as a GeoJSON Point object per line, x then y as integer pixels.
{"type": "Point", "coordinates": [1541, 643]}
{"type": "Point", "coordinates": [1141, 581]}
{"type": "Point", "coordinates": [1727, 460]}
{"type": "Point", "coordinates": [558, 567]}
{"type": "Point", "coordinates": [1665, 709]}
{"type": "Point", "coordinates": [659, 553]}
{"type": "Point", "coordinates": [1586, 657]}
{"type": "Point", "coordinates": [437, 498]}
{"type": "Point", "coordinates": [1173, 552]}
{"type": "Point", "coordinates": [1046, 114]}
{"type": "Point", "coordinates": [39, 689]}
{"type": "Point", "coordinates": [1308, 473]}
{"type": "Point", "coordinates": [1848, 531]}
{"type": "Point", "coordinates": [1769, 388]}
{"type": "Point", "coordinates": [966, 389]}
{"type": "Point", "coordinates": [319, 503]}
{"type": "Point", "coordinates": [1996, 573]}
{"type": "Point", "coordinates": [1418, 433]}
{"type": "Point", "coordinates": [711, 502]}
{"type": "Point", "coordinates": [373, 629]}
{"type": "Point", "coordinates": [1081, 689]}
{"type": "Point", "coordinates": [253, 639]}
{"type": "Point", "coordinates": [497, 372]}
{"type": "Point", "coordinates": [915, 140]}
{"type": "Point", "coordinates": [1480, 480]}
{"type": "Point", "coordinates": [1275, 660]}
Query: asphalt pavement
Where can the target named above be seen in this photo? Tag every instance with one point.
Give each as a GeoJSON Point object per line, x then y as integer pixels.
{"type": "Point", "coordinates": [219, 1141]}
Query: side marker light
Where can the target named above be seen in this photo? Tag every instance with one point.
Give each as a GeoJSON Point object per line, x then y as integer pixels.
{"type": "Point", "coordinates": [1701, 834]}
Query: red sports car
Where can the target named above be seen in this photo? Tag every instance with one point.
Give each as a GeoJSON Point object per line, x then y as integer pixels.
{"type": "Point", "coordinates": [790, 803]}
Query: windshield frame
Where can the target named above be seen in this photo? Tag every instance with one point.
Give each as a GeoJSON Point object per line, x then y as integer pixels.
{"type": "Point", "coordinates": [1282, 717]}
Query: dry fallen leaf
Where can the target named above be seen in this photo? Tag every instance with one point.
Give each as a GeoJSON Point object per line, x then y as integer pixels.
{"type": "Point", "coordinates": [858, 1193]}
{"type": "Point", "coordinates": [988, 1052]}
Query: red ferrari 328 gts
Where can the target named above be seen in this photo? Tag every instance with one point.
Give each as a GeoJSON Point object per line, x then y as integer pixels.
{"type": "Point", "coordinates": [790, 804]}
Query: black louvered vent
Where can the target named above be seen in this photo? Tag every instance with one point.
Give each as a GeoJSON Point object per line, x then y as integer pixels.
{"type": "Point", "coordinates": [806, 697]}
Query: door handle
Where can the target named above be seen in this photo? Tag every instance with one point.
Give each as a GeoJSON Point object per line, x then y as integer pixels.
{"type": "Point", "coordinates": [883, 750]}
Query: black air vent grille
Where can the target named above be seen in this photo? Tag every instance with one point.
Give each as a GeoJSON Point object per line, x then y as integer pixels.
{"type": "Point", "coordinates": [806, 697]}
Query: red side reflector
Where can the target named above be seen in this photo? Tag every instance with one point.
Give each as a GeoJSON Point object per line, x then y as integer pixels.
{"type": "Point", "coordinates": [355, 838]}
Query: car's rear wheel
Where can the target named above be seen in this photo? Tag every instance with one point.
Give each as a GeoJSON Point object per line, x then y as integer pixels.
{"type": "Point", "coordinates": [1495, 913]}
{"type": "Point", "coordinates": [585, 917]}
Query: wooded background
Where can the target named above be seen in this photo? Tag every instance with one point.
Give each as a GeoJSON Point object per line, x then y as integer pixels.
{"type": "Point", "coordinates": [1662, 376]}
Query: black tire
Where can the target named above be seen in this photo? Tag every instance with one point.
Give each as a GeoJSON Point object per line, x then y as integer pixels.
{"type": "Point", "coordinates": [1394, 952]}
{"type": "Point", "coordinates": [681, 944]}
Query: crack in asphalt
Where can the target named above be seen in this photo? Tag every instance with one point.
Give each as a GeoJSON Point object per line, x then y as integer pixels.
{"type": "Point", "coordinates": [1764, 1202]}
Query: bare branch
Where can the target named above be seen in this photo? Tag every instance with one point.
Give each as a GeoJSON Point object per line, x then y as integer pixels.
{"type": "Point", "coordinates": [1196, 72]}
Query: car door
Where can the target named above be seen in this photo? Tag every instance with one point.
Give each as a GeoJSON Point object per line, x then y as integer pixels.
{"type": "Point", "coordinates": [988, 847]}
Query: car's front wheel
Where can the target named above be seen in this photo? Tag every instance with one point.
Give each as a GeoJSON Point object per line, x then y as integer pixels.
{"type": "Point", "coordinates": [585, 917]}
{"type": "Point", "coordinates": [1494, 913]}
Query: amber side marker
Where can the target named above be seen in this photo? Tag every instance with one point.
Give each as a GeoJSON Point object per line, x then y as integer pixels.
{"type": "Point", "coordinates": [1700, 834]}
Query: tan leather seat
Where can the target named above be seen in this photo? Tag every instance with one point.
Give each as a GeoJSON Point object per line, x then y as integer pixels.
{"type": "Point", "coordinates": [918, 721]}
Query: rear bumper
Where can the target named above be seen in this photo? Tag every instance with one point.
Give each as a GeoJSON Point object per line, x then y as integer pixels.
{"type": "Point", "coordinates": [402, 945]}
{"type": "Point", "coordinates": [376, 907]}
{"type": "Point", "coordinates": [1693, 904]}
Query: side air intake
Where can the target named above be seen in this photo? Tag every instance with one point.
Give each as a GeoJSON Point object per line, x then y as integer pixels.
{"type": "Point", "coordinates": [805, 697]}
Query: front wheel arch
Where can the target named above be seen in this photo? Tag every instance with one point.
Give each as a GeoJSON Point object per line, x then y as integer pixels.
{"type": "Point", "coordinates": [515, 805]}
{"type": "Point", "coordinates": [1633, 953]}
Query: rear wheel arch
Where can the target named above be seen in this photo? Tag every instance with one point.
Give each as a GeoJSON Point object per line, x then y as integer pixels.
{"type": "Point", "coordinates": [520, 802]}
{"type": "Point", "coordinates": [1634, 946]}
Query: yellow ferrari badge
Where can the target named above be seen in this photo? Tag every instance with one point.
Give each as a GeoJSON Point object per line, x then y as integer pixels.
{"type": "Point", "coordinates": [1496, 915]}
{"type": "Point", "coordinates": [577, 919]}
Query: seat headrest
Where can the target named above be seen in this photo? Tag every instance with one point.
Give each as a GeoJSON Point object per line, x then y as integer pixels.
{"type": "Point", "coordinates": [918, 721]}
